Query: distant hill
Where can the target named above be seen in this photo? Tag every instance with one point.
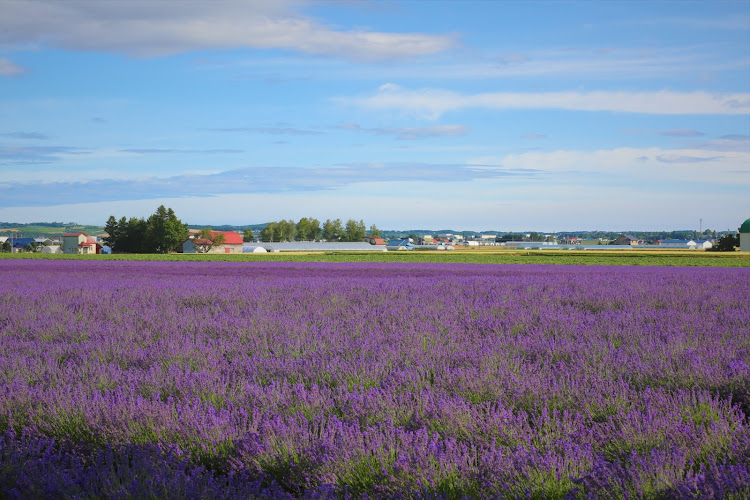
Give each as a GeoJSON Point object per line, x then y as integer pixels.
{"type": "Point", "coordinates": [47, 229]}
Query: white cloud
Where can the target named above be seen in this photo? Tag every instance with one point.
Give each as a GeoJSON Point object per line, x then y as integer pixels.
{"type": "Point", "coordinates": [633, 166]}
{"type": "Point", "coordinates": [409, 133]}
{"type": "Point", "coordinates": [9, 68]}
{"type": "Point", "coordinates": [163, 28]}
{"type": "Point", "coordinates": [432, 103]}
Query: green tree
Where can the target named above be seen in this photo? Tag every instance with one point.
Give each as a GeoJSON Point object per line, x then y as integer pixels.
{"type": "Point", "coordinates": [270, 232]}
{"type": "Point", "coordinates": [304, 230]}
{"type": "Point", "coordinates": [315, 230]}
{"type": "Point", "coordinates": [112, 228]}
{"type": "Point", "coordinates": [332, 230]}
{"type": "Point", "coordinates": [248, 235]}
{"type": "Point", "coordinates": [287, 230]}
{"type": "Point", "coordinates": [164, 231]}
{"type": "Point", "coordinates": [132, 238]}
{"type": "Point", "coordinates": [726, 243]}
{"type": "Point", "coordinates": [206, 239]}
{"type": "Point", "coordinates": [355, 231]}
{"type": "Point", "coordinates": [374, 231]}
{"type": "Point", "coordinates": [7, 247]}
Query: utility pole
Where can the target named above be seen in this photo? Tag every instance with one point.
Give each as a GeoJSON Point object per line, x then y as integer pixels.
{"type": "Point", "coordinates": [701, 226]}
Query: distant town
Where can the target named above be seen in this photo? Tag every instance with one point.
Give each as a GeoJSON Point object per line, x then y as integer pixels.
{"type": "Point", "coordinates": [58, 237]}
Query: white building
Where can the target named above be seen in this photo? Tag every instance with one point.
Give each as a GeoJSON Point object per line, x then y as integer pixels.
{"type": "Point", "coordinates": [745, 236]}
{"type": "Point", "coordinates": [80, 243]}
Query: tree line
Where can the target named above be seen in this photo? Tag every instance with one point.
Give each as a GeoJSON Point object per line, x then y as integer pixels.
{"type": "Point", "coordinates": [310, 229]}
{"type": "Point", "coordinates": [162, 232]}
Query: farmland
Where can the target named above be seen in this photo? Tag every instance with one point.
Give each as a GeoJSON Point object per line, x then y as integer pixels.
{"type": "Point", "coordinates": [316, 379]}
{"type": "Point", "coordinates": [485, 255]}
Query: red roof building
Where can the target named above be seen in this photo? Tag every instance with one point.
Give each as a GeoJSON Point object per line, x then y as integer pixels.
{"type": "Point", "coordinates": [230, 237]}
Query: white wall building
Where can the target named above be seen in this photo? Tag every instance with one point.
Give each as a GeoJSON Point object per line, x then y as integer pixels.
{"type": "Point", "coordinates": [745, 236]}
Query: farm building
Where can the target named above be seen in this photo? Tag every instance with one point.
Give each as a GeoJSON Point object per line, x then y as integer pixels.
{"type": "Point", "coordinates": [232, 244]}
{"type": "Point", "coordinates": [80, 243]}
{"type": "Point", "coordinates": [52, 249]}
{"type": "Point", "coordinates": [691, 244]}
{"type": "Point", "coordinates": [253, 249]}
{"type": "Point", "coordinates": [626, 239]}
{"type": "Point", "coordinates": [745, 236]}
{"type": "Point", "coordinates": [373, 240]}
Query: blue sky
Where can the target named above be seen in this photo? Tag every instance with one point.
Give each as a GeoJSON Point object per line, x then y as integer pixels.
{"type": "Point", "coordinates": [416, 114]}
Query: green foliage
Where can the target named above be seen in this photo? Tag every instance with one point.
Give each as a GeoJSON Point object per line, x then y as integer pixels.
{"type": "Point", "coordinates": [7, 247]}
{"type": "Point", "coordinates": [333, 230]}
{"type": "Point", "coordinates": [727, 243]}
{"type": "Point", "coordinates": [162, 232]}
{"type": "Point", "coordinates": [248, 235]}
{"type": "Point", "coordinates": [355, 231]}
{"type": "Point", "coordinates": [308, 229]}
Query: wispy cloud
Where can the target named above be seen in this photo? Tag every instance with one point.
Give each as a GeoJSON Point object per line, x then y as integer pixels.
{"type": "Point", "coordinates": [250, 180]}
{"type": "Point", "coordinates": [25, 135]}
{"type": "Point", "coordinates": [410, 133]}
{"type": "Point", "coordinates": [148, 151]}
{"type": "Point", "coordinates": [9, 68]}
{"type": "Point", "coordinates": [36, 154]}
{"type": "Point", "coordinates": [672, 158]}
{"type": "Point", "coordinates": [724, 144]}
{"type": "Point", "coordinates": [634, 167]}
{"type": "Point", "coordinates": [681, 132]}
{"type": "Point", "coordinates": [163, 28]}
{"type": "Point", "coordinates": [268, 130]}
{"type": "Point", "coordinates": [433, 103]}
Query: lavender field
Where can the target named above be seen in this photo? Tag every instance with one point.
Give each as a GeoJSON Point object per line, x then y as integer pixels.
{"type": "Point", "coordinates": [319, 380]}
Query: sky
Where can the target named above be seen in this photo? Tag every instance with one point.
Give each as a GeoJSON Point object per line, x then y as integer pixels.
{"type": "Point", "coordinates": [472, 115]}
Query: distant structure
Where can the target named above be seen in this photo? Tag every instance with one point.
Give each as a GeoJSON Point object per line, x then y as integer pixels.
{"type": "Point", "coordinates": [80, 243]}
{"type": "Point", "coordinates": [745, 236]}
{"type": "Point", "coordinates": [626, 239]}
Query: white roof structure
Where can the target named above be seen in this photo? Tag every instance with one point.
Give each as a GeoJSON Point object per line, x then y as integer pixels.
{"type": "Point", "coordinates": [253, 249]}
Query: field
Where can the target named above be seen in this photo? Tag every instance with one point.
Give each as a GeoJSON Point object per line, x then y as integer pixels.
{"type": "Point", "coordinates": [272, 379]}
{"type": "Point", "coordinates": [482, 255]}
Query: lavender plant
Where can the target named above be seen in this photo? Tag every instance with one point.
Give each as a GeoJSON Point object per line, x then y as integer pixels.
{"type": "Point", "coordinates": [318, 380]}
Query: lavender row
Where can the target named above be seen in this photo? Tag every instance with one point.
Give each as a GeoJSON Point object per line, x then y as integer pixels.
{"type": "Point", "coordinates": [351, 379]}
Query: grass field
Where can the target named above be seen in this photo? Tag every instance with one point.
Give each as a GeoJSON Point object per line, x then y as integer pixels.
{"type": "Point", "coordinates": [487, 255]}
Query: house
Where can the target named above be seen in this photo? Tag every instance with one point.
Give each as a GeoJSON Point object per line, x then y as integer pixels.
{"type": "Point", "coordinates": [373, 240]}
{"type": "Point", "coordinates": [745, 236]}
{"type": "Point", "coordinates": [80, 243]}
{"type": "Point", "coordinates": [626, 239]}
{"type": "Point", "coordinates": [18, 245]}
{"type": "Point", "coordinates": [232, 243]}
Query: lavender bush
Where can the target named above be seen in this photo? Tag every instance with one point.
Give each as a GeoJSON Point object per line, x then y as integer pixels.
{"type": "Point", "coordinates": [321, 380]}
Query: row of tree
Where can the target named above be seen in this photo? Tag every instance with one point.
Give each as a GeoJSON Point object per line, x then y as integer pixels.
{"type": "Point", "coordinates": [162, 232]}
{"type": "Point", "coordinates": [310, 229]}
